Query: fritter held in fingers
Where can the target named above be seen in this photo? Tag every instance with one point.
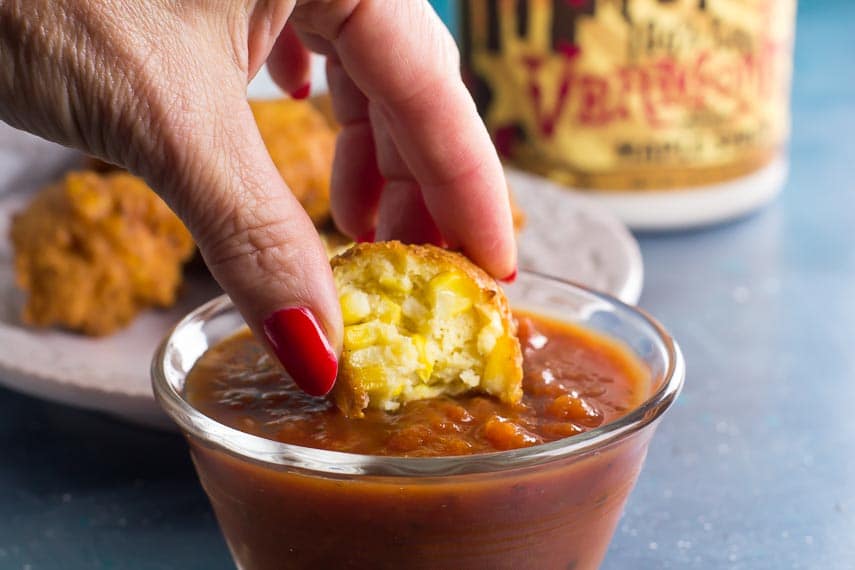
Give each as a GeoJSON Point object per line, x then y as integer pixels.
{"type": "Point", "coordinates": [421, 322]}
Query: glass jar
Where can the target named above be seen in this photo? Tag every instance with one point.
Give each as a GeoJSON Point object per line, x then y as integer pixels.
{"type": "Point", "coordinates": [675, 113]}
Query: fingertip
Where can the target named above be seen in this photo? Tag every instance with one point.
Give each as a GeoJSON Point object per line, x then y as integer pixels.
{"type": "Point", "coordinates": [261, 246]}
{"type": "Point", "coordinates": [289, 64]}
{"type": "Point", "coordinates": [500, 265]}
{"type": "Point", "coordinates": [494, 246]}
{"type": "Point", "coordinates": [301, 92]}
{"type": "Point", "coordinates": [367, 237]}
{"type": "Point", "coordinates": [301, 346]}
{"type": "Point", "coordinates": [509, 279]}
{"type": "Point", "coordinates": [474, 214]}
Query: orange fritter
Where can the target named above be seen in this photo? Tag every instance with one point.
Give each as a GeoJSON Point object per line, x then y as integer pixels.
{"type": "Point", "coordinates": [93, 250]}
{"type": "Point", "coordinates": [301, 144]}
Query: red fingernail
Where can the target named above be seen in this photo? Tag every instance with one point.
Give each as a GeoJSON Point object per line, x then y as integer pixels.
{"type": "Point", "coordinates": [437, 240]}
{"type": "Point", "coordinates": [367, 237]}
{"type": "Point", "coordinates": [301, 92]}
{"type": "Point", "coordinates": [303, 349]}
{"type": "Point", "coordinates": [510, 278]}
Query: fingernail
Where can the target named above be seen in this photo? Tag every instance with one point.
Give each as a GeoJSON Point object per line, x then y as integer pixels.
{"type": "Point", "coordinates": [510, 278]}
{"type": "Point", "coordinates": [303, 349]}
{"type": "Point", "coordinates": [301, 92]}
{"type": "Point", "coordinates": [437, 240]}
{"type": "Point", "coordinates": [367, 237]}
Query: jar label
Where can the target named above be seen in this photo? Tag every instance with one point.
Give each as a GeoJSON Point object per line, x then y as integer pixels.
{"type": "Point", "coordinates": [632, 94]}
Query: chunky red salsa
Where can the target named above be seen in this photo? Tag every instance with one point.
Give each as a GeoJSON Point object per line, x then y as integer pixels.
{"type": "Point", "coordinates": [574, 381]}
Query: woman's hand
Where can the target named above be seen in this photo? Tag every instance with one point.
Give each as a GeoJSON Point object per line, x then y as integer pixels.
{"type": "Point", "coordinates": [159, 87]}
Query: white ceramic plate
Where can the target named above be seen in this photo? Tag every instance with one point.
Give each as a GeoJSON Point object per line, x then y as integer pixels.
{"type": "Point", "coordinates": [570, 236]}
{"type": "Point", "coordinates": [566, 235]}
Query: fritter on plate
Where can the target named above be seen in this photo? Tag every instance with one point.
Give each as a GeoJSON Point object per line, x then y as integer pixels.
{"type": "Point", "coordinates": [95, 249]}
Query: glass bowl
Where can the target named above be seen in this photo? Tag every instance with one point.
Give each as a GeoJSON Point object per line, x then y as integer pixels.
{"type": "Point", "coordinates": [553, 505]}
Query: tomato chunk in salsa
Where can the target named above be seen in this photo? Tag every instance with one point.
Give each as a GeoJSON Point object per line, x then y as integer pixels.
{"type": "Point", "coordinates": [575, 380]}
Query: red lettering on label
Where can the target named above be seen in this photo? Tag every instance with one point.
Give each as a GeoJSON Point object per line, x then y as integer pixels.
{"type": "Point", "coordinates": [546, 120]}
{"type": "Point", "coordinates": [657, 89]}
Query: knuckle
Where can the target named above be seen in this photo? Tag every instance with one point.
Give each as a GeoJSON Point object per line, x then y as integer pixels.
{"type": "Point", "coordinates": [248, 245]}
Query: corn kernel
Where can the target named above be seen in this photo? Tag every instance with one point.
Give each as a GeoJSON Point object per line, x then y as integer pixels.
{"type": "Point", "coordinates": [388, 311]}
{"type": "Point", "coordinates": [404, 353]}
{"type": "Point", "coordinates": [487, 337]}
{"type": "Point", "coordinates": [360, 336]}
{"type": "Point", "coordinates": [452, 293]}
{"type": "Point", "coordinates": [497, 363]}
{"type": "Point", "coordinates": [454, 281]}
{"type": "Point", "coordinates": [374, 379]}
{"type": "Point", "coordinates": [414, 310]}
{"type": "Point", "coordinates": [449, 305]}
{"type": "Point", "coordinates": [354, 307]}
{"type": "Point", "coordinates": [400, 283]}
{"type": "Point", "coordinates": [425, 364]}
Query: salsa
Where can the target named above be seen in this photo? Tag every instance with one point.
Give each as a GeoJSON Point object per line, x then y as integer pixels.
{"type": "Point", "coordinates": [574, 380]}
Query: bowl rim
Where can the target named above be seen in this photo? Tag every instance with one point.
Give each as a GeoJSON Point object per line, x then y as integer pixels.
{"type": "Point", "coordinates": [338, 464]}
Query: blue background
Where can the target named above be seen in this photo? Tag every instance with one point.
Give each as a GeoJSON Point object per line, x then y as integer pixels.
{"type": "Point", "coordinates": [754, 468]}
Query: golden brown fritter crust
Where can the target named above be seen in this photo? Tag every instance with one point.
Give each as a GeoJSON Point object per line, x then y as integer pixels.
{"type": "Point", "coordinates": [93, 250]}
{"type": "Point", "coordinates": [435, 256]}
{"type": "Point", "coordinates": [301, 144]}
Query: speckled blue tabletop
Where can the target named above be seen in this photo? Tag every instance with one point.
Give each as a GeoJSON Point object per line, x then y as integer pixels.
{"type": "Point", "coordinates": [753, 468]}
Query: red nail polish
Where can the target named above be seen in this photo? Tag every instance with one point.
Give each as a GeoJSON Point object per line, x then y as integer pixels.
{"type": "Point", "coordinates": [437, 240]}
{"type": "Point", "coordinates": [510, 278]}
{"type": "Point", "coordinates": [367, 237]}
{"type": "Point", "coordinates": [301, 92]}
{"type": "Point", "coordinates": [303, 349]}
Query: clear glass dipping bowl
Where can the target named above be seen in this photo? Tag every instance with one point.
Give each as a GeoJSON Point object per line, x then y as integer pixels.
{"type": "Point", "coordinates": [549, 506]}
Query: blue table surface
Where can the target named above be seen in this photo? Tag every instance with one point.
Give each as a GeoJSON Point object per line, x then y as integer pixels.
{"type": "Point", "coordinates": [753, 468]}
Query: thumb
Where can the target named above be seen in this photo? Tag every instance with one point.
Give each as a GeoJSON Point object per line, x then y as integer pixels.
{"type": "Point", "coordinates": [262, 248]}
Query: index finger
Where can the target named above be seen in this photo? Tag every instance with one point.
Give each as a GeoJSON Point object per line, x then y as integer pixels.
{"type": "Point", "coordinates": [405, 61]}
